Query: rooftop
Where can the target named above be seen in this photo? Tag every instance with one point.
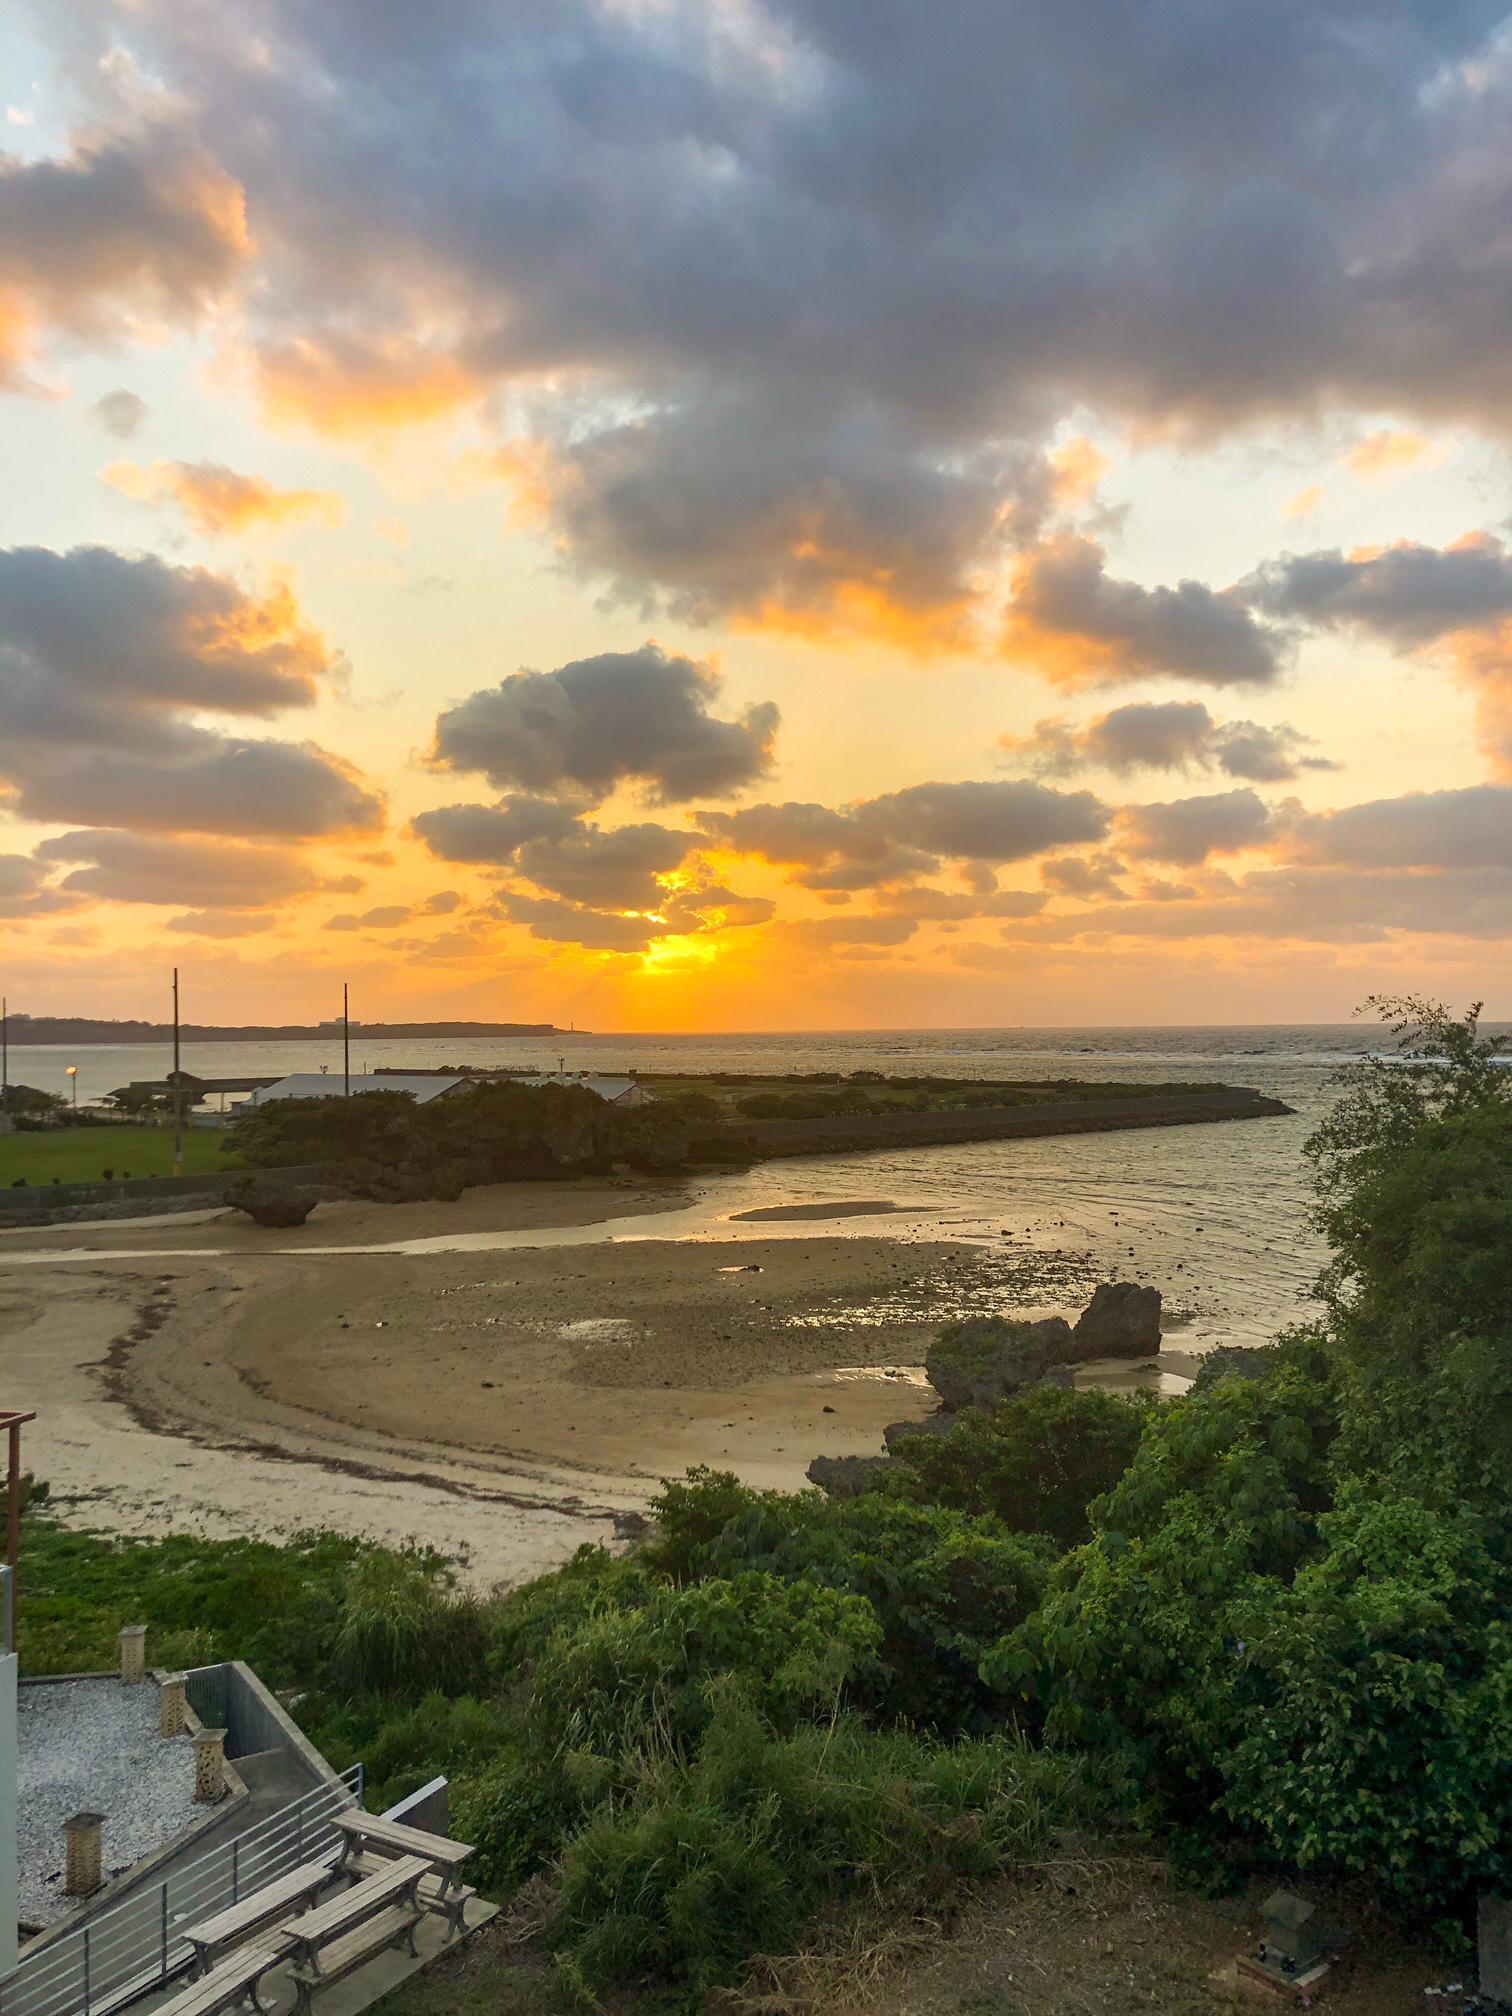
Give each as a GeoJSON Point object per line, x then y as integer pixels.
{"type": "Point", "coordinates": [92, 1745]}
{"type": "Point", "coordinates": [422, 1086]}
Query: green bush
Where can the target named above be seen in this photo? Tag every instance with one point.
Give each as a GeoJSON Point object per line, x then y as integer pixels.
{"type": "Point", "coordinates": [1036, 1461]}
{"type": "Point", "coordinates": [737, 1848]}
{"type": "Point", "coordinates": [942, 1586]}
{"type": "Point", "coordinates": [403, 1632]}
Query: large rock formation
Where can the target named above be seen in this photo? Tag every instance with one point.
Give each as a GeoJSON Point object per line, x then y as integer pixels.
{"type": "Point", "coordinates": [978, 1362]}
{"type": "Point", "coordinates": [846, 1476]}
{"type": "Point", "coordinates": [1121, 1321]}
{"type": "Point", "coordinates": [269, 1200]}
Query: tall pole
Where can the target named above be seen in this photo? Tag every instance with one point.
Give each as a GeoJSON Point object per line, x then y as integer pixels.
{"type": "Point", "coordinates": [346, 1046]}
{"type": "Point", "coordinates": [178, 1090]}
{"type": "Point", "coordinates": [14, 1422]}
{"type": "Point", "coordinates": [4, 1045]}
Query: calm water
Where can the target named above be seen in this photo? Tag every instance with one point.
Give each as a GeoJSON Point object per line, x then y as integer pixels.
{"type": "Point", "coordinates": [1213, 1215]}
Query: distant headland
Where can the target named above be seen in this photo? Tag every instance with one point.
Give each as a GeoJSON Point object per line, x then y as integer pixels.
{"type": "Point", "coordinates": [80, 1029]}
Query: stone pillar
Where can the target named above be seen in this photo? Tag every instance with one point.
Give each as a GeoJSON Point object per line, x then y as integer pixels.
{"type": "Point", "coordinates": [209, 1766]}
{"type": "Point", "coordinates": [133, 1654]}
{"type": "Point", "coordinates": [1495, 1929]}
{"type": "Point", "coordinates": [82, 1862]}
{"type": "Point", "coordinates": [172, 1704]}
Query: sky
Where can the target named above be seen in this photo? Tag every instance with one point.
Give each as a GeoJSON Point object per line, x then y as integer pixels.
{"type": "Point", "coordinates": [732, 514]}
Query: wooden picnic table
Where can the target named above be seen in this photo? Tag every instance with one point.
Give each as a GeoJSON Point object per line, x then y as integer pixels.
{"type": "Point", "coordinates": [371, 1830]}
{"type": "Point", "coordinates": [397, 1885]}
{"type": "Point", "coordinates": [273, 1900]}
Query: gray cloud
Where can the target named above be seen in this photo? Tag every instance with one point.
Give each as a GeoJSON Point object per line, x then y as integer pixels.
{"type": "Point", "coordinates": [949, 906]}
{"type": "Point", "coordinates": [1085, 876]}
{"type": "Point", "coordinates": [1073, 622]}
{"type": "Point", "coordinates": [1325, 906]}
{"type": "Point", "coordinates": [1187, 830]}
{"type": "Point", "coordinates": [144, 868]}
{"type": "Point", "coordinates": [559, 922]}
{"type": "Point", "coordinates": [490, 835]}
{"type": "Point", "coordinates": [614, 870]}
{"type": "Point", "coordinates": [104, 659]}
{"type": "Point", "coordinates": [1165, 735]}
{"type": "Point", "coordinates": [142, 227]}
{"type": "Point", "coordinates": [24, 892]}
{"type": "Point", "coordinates": [120, 413]}
{"type": "Point", "coordinates": [1407, 594]}
{"type": "Point", "coordinates": [903, 834]}
{"type": "Point", "coordinates": [209, 784]}
{"type": "Point", "coordinates": [855, 234]}
{"type": "Point", "coordinates": [1468, 828]}
{"type": "Point", "coordinates": [625, 716]}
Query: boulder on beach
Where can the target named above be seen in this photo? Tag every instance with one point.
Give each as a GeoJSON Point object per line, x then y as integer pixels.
{"type": "Point", "coordinates": [846, 1476]}
{"type": "Point", "coordinates": [267, 1200]}
{"type": "Point", "coordinates": [979, 1361]}
{"type": "Point", "coordinates": [1121, 1321]}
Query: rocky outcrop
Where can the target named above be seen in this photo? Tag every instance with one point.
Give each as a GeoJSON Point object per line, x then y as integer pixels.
{"type": "Point", "coordinates": [267, 1201]}
{"type": "Point", "coordinates": [903, 1431]}
{"type": "Point", "coordinates": [1121, 1321]}
{"type": "Point", "coordinates": [846, 1476]}
{"type": "Point", "coordinates": [980, 1361]}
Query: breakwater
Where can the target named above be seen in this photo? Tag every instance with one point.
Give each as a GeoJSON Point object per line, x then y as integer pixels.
{"type": "Point", "coordinates": [845, 1134]}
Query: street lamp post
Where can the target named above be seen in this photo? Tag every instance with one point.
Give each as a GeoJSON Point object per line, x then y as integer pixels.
{"type": "Point", "coordinates": [73, 1080]}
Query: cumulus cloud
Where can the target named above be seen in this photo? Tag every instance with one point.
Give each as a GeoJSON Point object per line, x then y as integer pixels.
{"type": "Point", "coordinates": [1085, 876]}
{"type": "Point", "coordinates": [1467, 828]}
{"type": "Point", "coordinates": [1165, 735]}
{"type": "Point", "coordinates": [124, 234]}
{"type": "Point", "coordinates": [616, 870]}
{"type": "Point", "coordinates": [215, 499]}
{"type": "Point", "coordinates": [1454, 601]}
{"type": "Point", "coordinates": [105, 658]}
{"type": "Point", "coordinates": [120, 413]}
{"type": "Point", "coordinates": [491, 835]}
{"type": "Point", "coordinates": [1079, 627]}
{"type": "Point", "coordinates": [24, 892]}
{"type": "Point", "coordinates": [146, 868]}
{"type": "Point", "coordinates": [903, 834]}
{"type": "Point", "coordinates": [639, 717]}
{"type": "Point", "coordinates": [560, 922]}
{"type": "Point", "coordinates": [1188, 830]}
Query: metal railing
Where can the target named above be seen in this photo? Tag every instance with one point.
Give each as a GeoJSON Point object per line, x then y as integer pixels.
{"type": "Point", "coordinates": [137, 1946]}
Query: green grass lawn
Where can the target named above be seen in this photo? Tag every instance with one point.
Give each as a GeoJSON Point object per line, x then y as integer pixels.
{"type": "Point", "coordinates": [83, 1154]}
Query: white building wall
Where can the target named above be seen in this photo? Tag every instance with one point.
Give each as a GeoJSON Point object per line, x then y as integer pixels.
{"type": "Point", "coordinates": [7, 1785]}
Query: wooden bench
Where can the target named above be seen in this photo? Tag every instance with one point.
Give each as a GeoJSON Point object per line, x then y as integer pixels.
{"type": "Point", "coordinates": [231, 1982]}
{"type": "Point", "coordinates": [258, 1908]}
{"type": "Point", "coordinates": [340, 1934]}
{"type": "Point", "coordinates": [448, 1900]}
{"type": "Point", "coordinates": [393, 1926]}
{"type": "Point", "coordinates": [370, 1831]}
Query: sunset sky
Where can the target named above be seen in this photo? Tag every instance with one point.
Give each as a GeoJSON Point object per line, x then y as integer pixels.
{"type": "Point", "coordinates": [694, 514]}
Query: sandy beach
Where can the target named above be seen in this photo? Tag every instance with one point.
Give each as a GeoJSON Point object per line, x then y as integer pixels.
{"type": "Point", "coordinates": [505, 1405]}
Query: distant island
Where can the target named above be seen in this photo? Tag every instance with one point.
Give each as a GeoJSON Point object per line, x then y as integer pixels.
{"type": "Point", "coordinates": [79, 1029]}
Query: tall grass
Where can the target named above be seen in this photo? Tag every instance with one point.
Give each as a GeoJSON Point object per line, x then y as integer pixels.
{"type": "Point", "coordinates": [403, 1633]}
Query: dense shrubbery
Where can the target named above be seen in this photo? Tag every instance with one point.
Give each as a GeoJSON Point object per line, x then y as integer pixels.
{"type": "Point", "coordinates": [383, 1145]}
{"type": "Point", "coordinates": [1267, 1622]}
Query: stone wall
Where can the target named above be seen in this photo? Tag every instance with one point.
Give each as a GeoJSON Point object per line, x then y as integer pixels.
{"type": "Point", "coordinates": [845, 1133]}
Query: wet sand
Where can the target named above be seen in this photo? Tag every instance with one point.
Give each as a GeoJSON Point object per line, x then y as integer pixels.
{"type": "Point", "coordinates": [505, 1405]}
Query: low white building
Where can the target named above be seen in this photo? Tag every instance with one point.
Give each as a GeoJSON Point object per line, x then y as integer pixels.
{"type": "Point", "coordinates": [614, 1091]}
{"type": "Point", "coordinates": [421, 1086]}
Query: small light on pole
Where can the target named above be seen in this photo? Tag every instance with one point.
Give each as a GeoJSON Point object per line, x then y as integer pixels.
{"type": "Point", "coordinates": [73, 1079]}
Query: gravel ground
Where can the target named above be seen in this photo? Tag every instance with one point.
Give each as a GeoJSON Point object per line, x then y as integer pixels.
{"type": "Point", "coordinates": [91, 1746]}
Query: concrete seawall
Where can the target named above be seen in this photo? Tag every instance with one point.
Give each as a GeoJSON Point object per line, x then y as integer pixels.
{"type": "Point", "coordinates": [847, 1133]}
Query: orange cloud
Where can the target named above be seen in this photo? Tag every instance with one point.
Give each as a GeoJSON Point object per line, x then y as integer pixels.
{"type": "Point", "coordinates": [216, 499]}
{"type": "Point", "coordinates": [352, 386]}
{"type": "Point", "coordinates": [1387, 449]}
{"type": "Point", "coordinates": [1304, 503]}
{"type": "Point", "coordinates": [1079, 466]}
